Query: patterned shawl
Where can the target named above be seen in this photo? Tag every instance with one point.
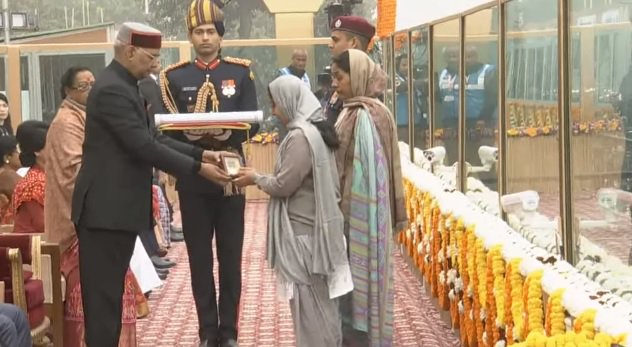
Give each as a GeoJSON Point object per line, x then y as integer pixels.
{"type": "Point", "coordinates": [373, 199]}
{"type": "Point", "coordinates": [368, 81]}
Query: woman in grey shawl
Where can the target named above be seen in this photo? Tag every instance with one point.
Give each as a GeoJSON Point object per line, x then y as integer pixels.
{"type": "Point", "coordinates": [305, 243]}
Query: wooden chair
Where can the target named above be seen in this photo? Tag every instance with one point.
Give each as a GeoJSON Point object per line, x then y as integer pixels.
{"type": "Point", "coordinates": [54, 289]}
{"type": "Point", "coordinates": [47, 267]}
{"type": "Point", "coordinates": [22, 288]}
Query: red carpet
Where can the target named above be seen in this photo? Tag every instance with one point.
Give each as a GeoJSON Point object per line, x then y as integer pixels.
{"type": "Point", "coordinates": [264, 320]}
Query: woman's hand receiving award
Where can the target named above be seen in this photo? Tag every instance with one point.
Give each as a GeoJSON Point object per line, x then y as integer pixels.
{"type": "Point", "coordinates": [245, 177]}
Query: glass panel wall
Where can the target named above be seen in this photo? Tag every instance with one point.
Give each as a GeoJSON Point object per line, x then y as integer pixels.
{"type": "Point", "coordinates": [3, 74]}
{"type": "Point", "coordinates": [481, 108]}
{"type": "Point", "coordinates": [532, 121]}
{"type": "Point", "coordinates": [25, 80]}
{"type": "Point", "coordinates": [601, 96]}
{"type": "Point", "coordinates": [388, 67]}
{"type": "Point", "coordinates": [168, 56]}
{"type": "Point", "coordinates": [421, 88]}
{"type": "Point", "coordinates": [401, 86]}
{"type": "Point", "coordinates": [446, 70]}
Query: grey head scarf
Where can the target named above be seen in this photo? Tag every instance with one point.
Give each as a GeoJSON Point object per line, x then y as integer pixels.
{"type": "Point", "coordinates": [302, 108]}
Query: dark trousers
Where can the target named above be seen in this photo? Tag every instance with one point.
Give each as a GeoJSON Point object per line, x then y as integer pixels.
{"type": "Point", "coordinates": [205, 216]}
{"type": "Point", "coordinates": [104, 257]}
{"type": "Point", "coordinates": [148, 239]}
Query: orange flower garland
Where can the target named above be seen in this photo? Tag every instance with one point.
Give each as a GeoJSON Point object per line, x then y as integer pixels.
{"type": "Point", "coordinates": [453, 271]}
{"type": "Point", "coordinates": [554, 318]}
{"type": "Point", "coordinates": [467, 330]}
{"type": "Point", "coordinates": [585, 323]}
{"type": "Point", "coordinates": [435, 244]}
{"type": "Point", "coordinates": [570, 339]}
{"type": "Point", "coordinates": [516, 302]}
{"type": "Point", "coordinates": [485, 295]}
{"type": "Point", "coordinates": [472, 289]}
{"type": "Point", "coordinates": [533, 303]}
{"type": "Point", "coordinates": [491, 333]}
{"type": "Point", "coordinates": [442, 264]}
{"type": "Point", "coordinates": [495, 289]}
{"type": "Point", "coordinates": [479, 285]}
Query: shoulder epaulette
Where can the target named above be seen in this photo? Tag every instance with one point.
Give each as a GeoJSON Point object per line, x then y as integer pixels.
{"type": "Point", "coordinates": [176, 66]}
{"type": "Point", "coordinates": [167, 98]}
{"type": "Point", "coordinates": [238, 61]}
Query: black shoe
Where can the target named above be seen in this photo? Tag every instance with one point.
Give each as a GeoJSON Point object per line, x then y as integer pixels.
{"type": "Point", "coordinates": [162, 276]}
{"type": "Point", "coordinates": [162, 271]}
{"type": "Point", "coordinates": [161, 263]}
{"type": "Point", "coordinates": [229, 343]}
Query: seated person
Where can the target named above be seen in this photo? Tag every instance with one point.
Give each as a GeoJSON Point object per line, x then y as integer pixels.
{"type": "Point", "coordinates": [8, 176]}
{"type": "Point", "coordinates": [28, 197]}
{"type": "Point", "coordinates": [14, 327]}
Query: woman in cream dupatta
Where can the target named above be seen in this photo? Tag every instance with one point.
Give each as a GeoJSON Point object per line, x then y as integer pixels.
{"type": "Point", "coordinates": [372, 197]}
{"type": "Point", "coordinates": [305, 244]}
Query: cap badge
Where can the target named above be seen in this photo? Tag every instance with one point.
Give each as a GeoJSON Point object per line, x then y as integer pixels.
{"type": "Point", "coordinates": [338, 23]}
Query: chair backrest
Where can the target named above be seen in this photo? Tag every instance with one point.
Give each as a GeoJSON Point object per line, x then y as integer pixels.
{"type": "Point", "coordinates": [30, 250]}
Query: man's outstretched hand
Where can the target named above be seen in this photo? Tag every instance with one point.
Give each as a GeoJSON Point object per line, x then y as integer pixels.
{"type": "Point", "coordinates": [213, 172]}
{"type": "Point", "coordinates": [215, 157]}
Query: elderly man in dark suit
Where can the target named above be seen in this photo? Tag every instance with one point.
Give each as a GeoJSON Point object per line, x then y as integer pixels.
{"type": "Point", "coordinates": [113, 194]}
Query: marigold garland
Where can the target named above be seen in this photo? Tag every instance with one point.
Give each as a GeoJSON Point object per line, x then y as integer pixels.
{"type": "Point", "coordinates": [472, 290]}
{"type": "Point", "coordinates": [533, 302]}
{"type": "Point", "coordinates": [442, 264]}
{"type": "Point", "coordinates": [491, 332]}
{"type": "Point", "coordinates": [569, 339]}
{"type": "Point", "coordinates": [433, 274]}
{"type": "Point", "coordinates": [517, 303]}
{"type": "Point", "coordinates": [485, 295]}
{"type": "Point", "coordinates": [497, 267]}
{"type": "Point", "coordinates": [467, 328]}
{"type": "Point", "coordinates": [555, 314]}
{"type": "Point", "coordinates": [585, 323]}
{"type": "Point", "coordinates": [479, 284]}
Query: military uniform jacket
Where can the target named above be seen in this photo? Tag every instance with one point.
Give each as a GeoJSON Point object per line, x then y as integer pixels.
{"type": "Point", "coordinates": [121, 148]}
{"type": "Point", "coordinates": [234, 89]}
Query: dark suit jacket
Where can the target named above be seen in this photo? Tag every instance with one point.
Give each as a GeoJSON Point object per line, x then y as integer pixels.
{"type": "Point", "coordinates": [150, 90]}
{"type": "Point", "coordinates": [121, 147]}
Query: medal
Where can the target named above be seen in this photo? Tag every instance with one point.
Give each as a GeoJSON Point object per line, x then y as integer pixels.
{"type": "Point", "coordinates": [228, 88]}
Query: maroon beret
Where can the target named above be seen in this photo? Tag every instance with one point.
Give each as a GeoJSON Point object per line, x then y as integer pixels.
{"type": "Point", "coordinates": [355, 25]}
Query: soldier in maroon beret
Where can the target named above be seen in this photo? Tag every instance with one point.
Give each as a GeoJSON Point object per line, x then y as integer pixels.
{"type": "Point", "coordinates": [347, 32]}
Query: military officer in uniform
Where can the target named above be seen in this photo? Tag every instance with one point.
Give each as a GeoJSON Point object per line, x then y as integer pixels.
{"type": "Point", "coordinates": [347, 32]}
{"type": "Point", "coordinates": [222, 84]}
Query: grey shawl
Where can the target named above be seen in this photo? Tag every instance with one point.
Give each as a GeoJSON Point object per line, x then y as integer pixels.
{"type": "Point", "coordinates": [302, 108]}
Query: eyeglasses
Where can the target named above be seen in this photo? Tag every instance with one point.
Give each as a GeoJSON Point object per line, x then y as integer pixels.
{"type": "Point", "coordinates": [149, 55]}
{"type": "Point", "coordinates": [83, 86]}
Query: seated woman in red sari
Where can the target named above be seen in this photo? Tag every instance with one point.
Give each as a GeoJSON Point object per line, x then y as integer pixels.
{"type": "Point", "coordinates": [28, 196]}
{"type": "Point", "coordinates": [9, 164]}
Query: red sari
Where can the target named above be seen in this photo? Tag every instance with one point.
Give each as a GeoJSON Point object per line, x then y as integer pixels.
{"type": "Point", "coordinates": [134, 302]}
{"type": "Point", "coordinates": [28, 202]}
